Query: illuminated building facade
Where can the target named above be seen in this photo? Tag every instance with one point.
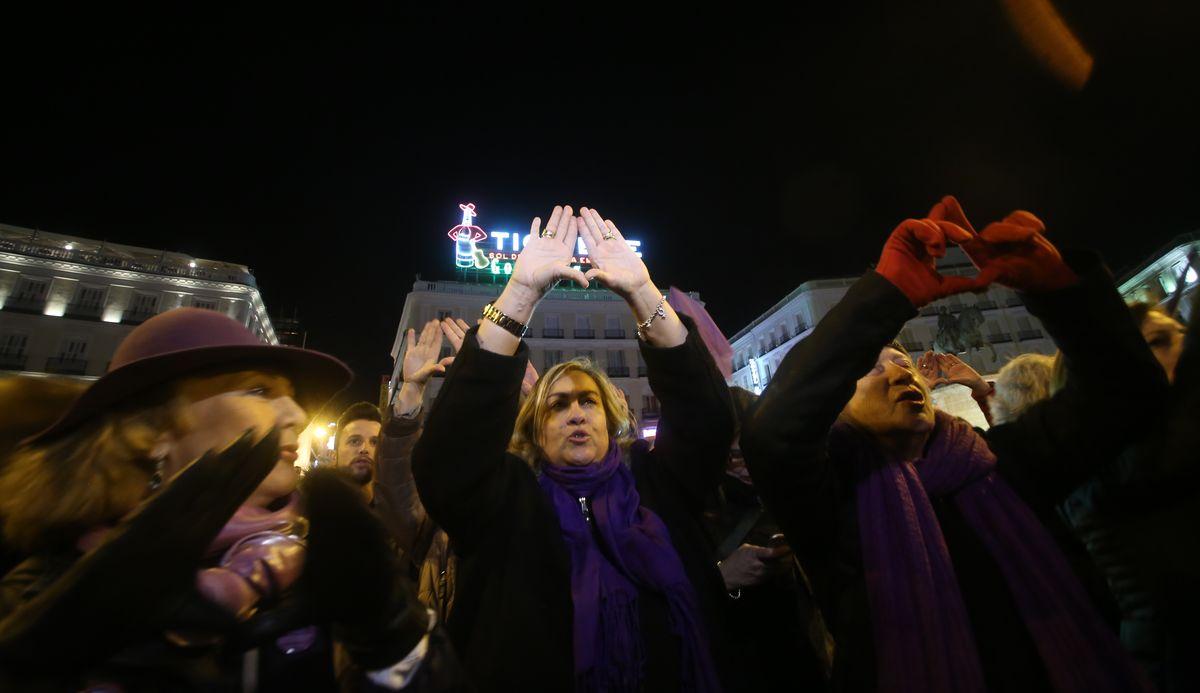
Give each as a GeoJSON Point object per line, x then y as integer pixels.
{"type": "Point", "coordinates": [1156, 280]}
{"type": "Point", "coordinates": [67, 302]}
{"type": "Point", "coordinates": [570, 322]}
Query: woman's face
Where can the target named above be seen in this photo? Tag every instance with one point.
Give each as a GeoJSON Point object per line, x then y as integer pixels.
{"type": "Point", "coordinates": [220, 408]}
{"type": "Point", "coordinates": [1165, 338]}
{"type": "Point", "coordinates": [575, 428]}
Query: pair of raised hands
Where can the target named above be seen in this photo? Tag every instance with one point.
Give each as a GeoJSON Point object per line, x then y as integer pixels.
{"type": "Point", "coordinates": [1013, 252]}
{"type": "Point", "coordinates": [947, 369]}
{"type": "Point", "coordinates": [546, 258]}
{"type": "Point", "coordinates": [421, 354]}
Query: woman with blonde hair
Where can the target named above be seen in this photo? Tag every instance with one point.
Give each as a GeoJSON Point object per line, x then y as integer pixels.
{"type": "Point", "coordinates": [583, 564]}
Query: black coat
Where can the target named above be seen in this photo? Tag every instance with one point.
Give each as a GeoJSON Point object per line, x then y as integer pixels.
{"type": "Point", "coordinates": [512, 617]}
{"type": "Point", "coordinates": [1114, 388]}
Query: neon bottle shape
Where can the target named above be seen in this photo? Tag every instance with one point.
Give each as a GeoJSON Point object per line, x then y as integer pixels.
{"type": "Point", "coordinates": [465, 236]}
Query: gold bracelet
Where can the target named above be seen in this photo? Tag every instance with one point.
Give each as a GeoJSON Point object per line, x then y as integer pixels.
{"type": "Point", "coordinates": [511, 325]}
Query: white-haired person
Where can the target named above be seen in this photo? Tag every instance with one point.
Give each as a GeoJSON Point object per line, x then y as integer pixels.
{"type": "Point", "coordinates": [582, 566]}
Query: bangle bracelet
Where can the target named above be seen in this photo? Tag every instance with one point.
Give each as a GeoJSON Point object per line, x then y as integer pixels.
{"type": "Point", "coordinates": [659, 312]}
{"type": "Point", "coordinates": [511, 325]}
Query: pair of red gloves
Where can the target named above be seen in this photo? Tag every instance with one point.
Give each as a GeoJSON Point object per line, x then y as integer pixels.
{"type": "Point", "coordinates": [1013, 252]}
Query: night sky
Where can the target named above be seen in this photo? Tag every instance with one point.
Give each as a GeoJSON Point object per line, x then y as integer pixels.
{"type": "Point", "coordinates": [749, 153]}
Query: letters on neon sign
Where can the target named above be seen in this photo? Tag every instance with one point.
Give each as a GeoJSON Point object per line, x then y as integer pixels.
{"type": "Point", "coordinates": [468, 255]}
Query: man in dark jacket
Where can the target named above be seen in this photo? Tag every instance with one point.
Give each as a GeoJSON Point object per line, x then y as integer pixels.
{"type": "Point", "coordinates": [922, 539]}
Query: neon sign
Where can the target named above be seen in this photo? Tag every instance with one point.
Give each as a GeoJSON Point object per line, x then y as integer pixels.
{"type": "Point", "coordinates": [465, 236]}
{"type": "Point", "coordinates": [504, 247]}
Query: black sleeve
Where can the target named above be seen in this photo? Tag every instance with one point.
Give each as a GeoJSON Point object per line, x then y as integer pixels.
{"type": "Point", "coordinates": [784, 436]}
{"type": "Point", "coordinates": [465, 478]}
{"type": "Point", "coordinates": [697, 422]}
{"type": "Point", "coordinates": [1114, 390]}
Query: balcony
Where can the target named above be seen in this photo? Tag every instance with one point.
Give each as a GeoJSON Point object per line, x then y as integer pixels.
{"type": "Point", "coordinates": [13, 361]}
{"type": "Point", "coordinates": [552, 333]}
{"type": "Point", "coordinates": [65, 365]}
{"type": "Point", "coordinates": [84, 311]}
{"type": "Point", "coordinates": [1025, 335]}
{"type": "Point", "coordinates": [1000, 338]}
{"type": "Point", "coordinates": [25, 304]}
{"type": "Point", "coordinates": [642, 372]}
{"type": "Point", "coordinates": [137, 317]}
{"type": "Point", "coordinates": [584, 334]}
{"type": "Point", "coordinates": [614, 334]}
{"type": "Point", "coordinates": [618, 371]}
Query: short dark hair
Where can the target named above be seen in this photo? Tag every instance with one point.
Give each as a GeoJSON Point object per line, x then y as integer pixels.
{"type": "Point", "coordinates": [359, 411]}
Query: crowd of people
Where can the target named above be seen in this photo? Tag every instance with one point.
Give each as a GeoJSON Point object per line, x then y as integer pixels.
{"type": "Point", "coordinates": [837, 532]}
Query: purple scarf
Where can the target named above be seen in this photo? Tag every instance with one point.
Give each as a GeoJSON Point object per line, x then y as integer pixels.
{"type": "Point", "coordinates": [923, 638]}
{"type": "Point", "coordinates": [609, 653]}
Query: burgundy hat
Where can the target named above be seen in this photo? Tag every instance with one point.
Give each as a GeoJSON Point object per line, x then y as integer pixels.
{"type": "Point", "coordinates": [186, 340]}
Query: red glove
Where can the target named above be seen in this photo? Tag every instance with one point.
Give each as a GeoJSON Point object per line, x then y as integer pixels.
{"type": "Point", "coordinates": [1013, 252]}
{"type": "Point", "coordinates": [909, 261]}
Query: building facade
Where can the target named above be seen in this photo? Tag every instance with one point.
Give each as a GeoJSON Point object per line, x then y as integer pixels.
{"type": "Point", "coordinates": [998, 316]}
{"type": "Point", "coordinates": [67, 302]}
{"type": "Point", "coordinates": [1167, 271]}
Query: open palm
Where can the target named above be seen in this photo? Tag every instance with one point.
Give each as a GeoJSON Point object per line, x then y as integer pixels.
{"type": "Point", "coordinates": [547, 258]}
{"type": "Point", "coordinates": [613, 262]}
{"type": "Point", "coordinates": [421, 355]}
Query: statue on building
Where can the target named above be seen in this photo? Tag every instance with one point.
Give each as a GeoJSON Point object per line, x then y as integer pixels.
{"type": "Point", "coordinates": [961, 334]}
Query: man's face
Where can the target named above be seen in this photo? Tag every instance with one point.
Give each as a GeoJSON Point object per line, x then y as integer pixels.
{"type": "Point", "coordinates": [356, 445]}
{"type": "Point", "coordinates": [892, 399]}
{"type": "Point", "coordinates": [1165, 338]}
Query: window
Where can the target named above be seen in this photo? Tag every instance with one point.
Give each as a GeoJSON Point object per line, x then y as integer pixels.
{"type": "Point", "coordinates": [13, 344]}
{"type": "Point", "coordinates": [586, 354]}
{"type": "Point", "coordinates": [551, 358]}
{"type": "Point", "coordinates": [89, 297]}
{"type": "Point", "coordinates": [612, 327]}
{"type": "Point", "coordinates": [583, 327]}
{"type": "Point", "coordinates": [31, 289]}
{"type": "Point", "coordinates": [551, 327]}
{"type": "Point", "coordinates": [616, 364]}
{"type": "Point", "coordinates": [73, 348]}
{"type": "Point", "coordinates": [145, 304]}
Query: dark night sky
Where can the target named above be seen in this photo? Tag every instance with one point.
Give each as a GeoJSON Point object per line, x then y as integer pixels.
{"type": "Point", "coordinates": [749, 153]}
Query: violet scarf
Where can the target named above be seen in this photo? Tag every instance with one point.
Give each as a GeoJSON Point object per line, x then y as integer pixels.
{"type": "Point", "coordinates": [923, 638]}
{"type": "Point", "coordinates": [637, 550]}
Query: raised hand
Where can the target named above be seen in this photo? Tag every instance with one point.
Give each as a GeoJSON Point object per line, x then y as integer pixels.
{"type": "Point", "coordinates": [909, 260]}
{"type": "Point", "coordinates": [546, 258]}
{"type": "Point", "coordinates": [456, 330]}
{"type": "Point", "coordinates": [943, 369]}
{"type": "Point", "coordinates": [1013, 252]}
{"type": "Point", "coordinates": [421, 355]}
{"type": "Point", "coordinates": [930, 370]}
{"type": "Point", "coordinates": [613, 262]}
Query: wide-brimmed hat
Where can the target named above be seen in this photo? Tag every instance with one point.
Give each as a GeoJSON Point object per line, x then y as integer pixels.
{"type": "Point", "coordinates": [186, 340]}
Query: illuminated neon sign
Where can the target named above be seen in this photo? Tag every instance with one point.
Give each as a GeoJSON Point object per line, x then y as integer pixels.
{"type": "Point", "coordinates": [503, 248]}
{"type": "Point", "coordinates": [465, 236]}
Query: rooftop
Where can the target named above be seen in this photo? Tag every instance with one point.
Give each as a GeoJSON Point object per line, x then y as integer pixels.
{"type": "Point", "coordinates": [84, 251]}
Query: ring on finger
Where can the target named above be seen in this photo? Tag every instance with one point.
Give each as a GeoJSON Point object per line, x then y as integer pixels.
{"type": "Point", "coordinates": [548, 233]}
{"type": "Point", "coordinates": [608, 236]}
